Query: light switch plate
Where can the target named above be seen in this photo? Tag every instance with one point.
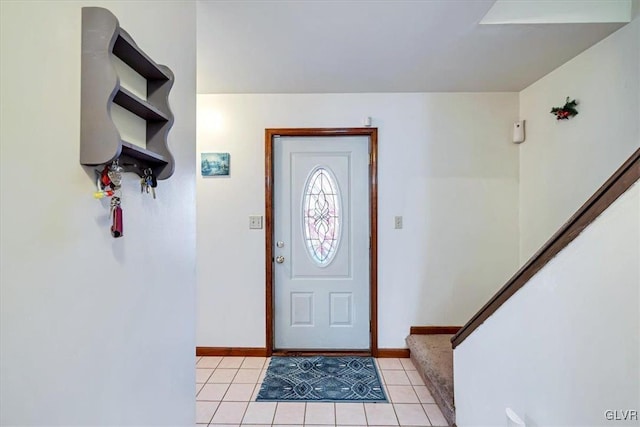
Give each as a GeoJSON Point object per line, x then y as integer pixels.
{"type": "Point", "coordinates": [397, 222]}
{"type": "Point", "coordinates": [255, 222]}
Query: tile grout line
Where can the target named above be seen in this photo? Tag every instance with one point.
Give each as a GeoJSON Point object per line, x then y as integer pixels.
{"type": "Point", "coordinates": [393, 404]}
{"type": "Point", "coordinates": [273, 417]}
{"type": "Point", "coordinates": [212, 371]}
{"type": "Point", "coordinates": [210, 375]}
{"type": "Point", "coordinates": [231, 382]}
{"type": "Point", "coordinates": [421, 403]}
{"type": "Point", "coordinates": [304, 413]}
{"type": "Point", "coordinates": [366, 419]}
{"type": "Point", "coordinates": [425, 412]}
{"type": "Point", "coordinates": [225, 393]}
{"type": "Point", "coordinates": [395, 414]}
{"type": "Point", "coordinates": [422, 406]}
{"type": "Point", "coordinates": [244, 413]}
{"type": "Point", "coordinates": [206, 382]}
{"type": "Point", "coordinates": [214, 412]}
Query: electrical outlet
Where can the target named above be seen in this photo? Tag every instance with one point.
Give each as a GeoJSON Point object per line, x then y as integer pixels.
{"type": "Point", "coordinates": [255, 222]}
{"type": "Point", "coordinates": [397, 222]}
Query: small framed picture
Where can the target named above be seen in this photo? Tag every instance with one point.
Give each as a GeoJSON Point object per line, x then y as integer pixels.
{"type": "Point", "coordinates": [214, 164]}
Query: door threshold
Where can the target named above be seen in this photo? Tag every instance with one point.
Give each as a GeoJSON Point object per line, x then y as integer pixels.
{"type": "Point", "coordinates": [320, 352]}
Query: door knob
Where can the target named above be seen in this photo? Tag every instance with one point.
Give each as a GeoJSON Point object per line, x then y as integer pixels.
{"type": "Point", "coordinates": [280, 259]}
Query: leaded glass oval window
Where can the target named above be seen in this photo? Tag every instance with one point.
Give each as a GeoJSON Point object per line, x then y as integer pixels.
{"type": "Point", "coordinates": [321, 216]}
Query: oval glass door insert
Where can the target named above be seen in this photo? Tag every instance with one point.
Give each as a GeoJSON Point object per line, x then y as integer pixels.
{"type": "Point", "coordinates": [321, 216]}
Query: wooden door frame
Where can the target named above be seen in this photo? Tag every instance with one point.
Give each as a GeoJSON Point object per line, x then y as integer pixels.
{"type": "Point", "coordinates": [372, 133]}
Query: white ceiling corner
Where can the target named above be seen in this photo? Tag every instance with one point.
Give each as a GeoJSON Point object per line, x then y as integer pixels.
{"type": "Point", "coordinates": [558, 11]}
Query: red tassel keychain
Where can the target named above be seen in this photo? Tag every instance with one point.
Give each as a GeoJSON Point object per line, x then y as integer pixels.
{"type": "Point", "coordinates": [116, 214]}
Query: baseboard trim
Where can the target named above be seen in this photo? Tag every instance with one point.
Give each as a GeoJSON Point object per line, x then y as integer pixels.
{"type": "Point", "coordinates": [434, 330]}
{"type": "Point", "coordinates": [401, 353]}
{"type": "Point", "coordinates": [232, 351]}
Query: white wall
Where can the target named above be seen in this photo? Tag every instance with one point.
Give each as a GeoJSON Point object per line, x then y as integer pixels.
{"type": "Point", "coordinates": [562, 163]}
{"type": "Point", "coordinates": [94, 330]}
{"type": "Point", "coordinates": [565, 348]}
{"type": "Point", "coordinates": [446, 164]}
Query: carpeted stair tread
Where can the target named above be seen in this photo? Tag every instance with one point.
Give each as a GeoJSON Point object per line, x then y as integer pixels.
{"type": "Point", "coordinates": [433, 357]}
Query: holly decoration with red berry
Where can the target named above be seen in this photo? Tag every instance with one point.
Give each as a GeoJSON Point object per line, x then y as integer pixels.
{"type": "Point", "coordinates": [567, 111]}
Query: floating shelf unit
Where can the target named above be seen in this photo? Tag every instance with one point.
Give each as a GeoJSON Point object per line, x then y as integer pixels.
{"type": "Point", "coordinates": [100, 142]}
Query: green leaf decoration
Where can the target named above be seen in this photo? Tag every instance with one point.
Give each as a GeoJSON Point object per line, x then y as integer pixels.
{"type": "Point", "coordinates": [567, 111]}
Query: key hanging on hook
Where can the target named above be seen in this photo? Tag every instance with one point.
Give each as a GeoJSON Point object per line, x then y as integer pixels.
{"type": "Point", "coordinates": [116, 214]}
{"type": "Point", "coordinates": [148, 182]}
{"type": "Point", "coordinates": [153, 183]}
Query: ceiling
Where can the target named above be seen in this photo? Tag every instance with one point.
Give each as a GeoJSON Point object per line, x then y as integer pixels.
{"type": "Point", "coordinates": [306, 46]}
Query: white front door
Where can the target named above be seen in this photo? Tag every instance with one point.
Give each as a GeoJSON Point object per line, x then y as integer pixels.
{"type": "Point", "coordinates": [321, 243]}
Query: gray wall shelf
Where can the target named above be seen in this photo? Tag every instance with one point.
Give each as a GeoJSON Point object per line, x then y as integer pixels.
{"type": "Point", "coordinates": [100, 141]}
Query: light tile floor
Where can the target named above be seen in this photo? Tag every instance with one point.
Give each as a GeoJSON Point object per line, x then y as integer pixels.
{"type": "Point", "coordinates": [226, 390]}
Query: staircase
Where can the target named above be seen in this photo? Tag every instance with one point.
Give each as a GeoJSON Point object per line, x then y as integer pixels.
{"type": "Point", "coordinates": [433, 357]}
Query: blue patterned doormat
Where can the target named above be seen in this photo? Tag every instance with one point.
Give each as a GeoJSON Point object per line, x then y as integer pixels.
{"type": "Point", "coordinates": [322, 378]}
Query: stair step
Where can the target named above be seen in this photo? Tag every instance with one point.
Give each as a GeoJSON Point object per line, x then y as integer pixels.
{"type": "Point", "coordinates": [433, 357]}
